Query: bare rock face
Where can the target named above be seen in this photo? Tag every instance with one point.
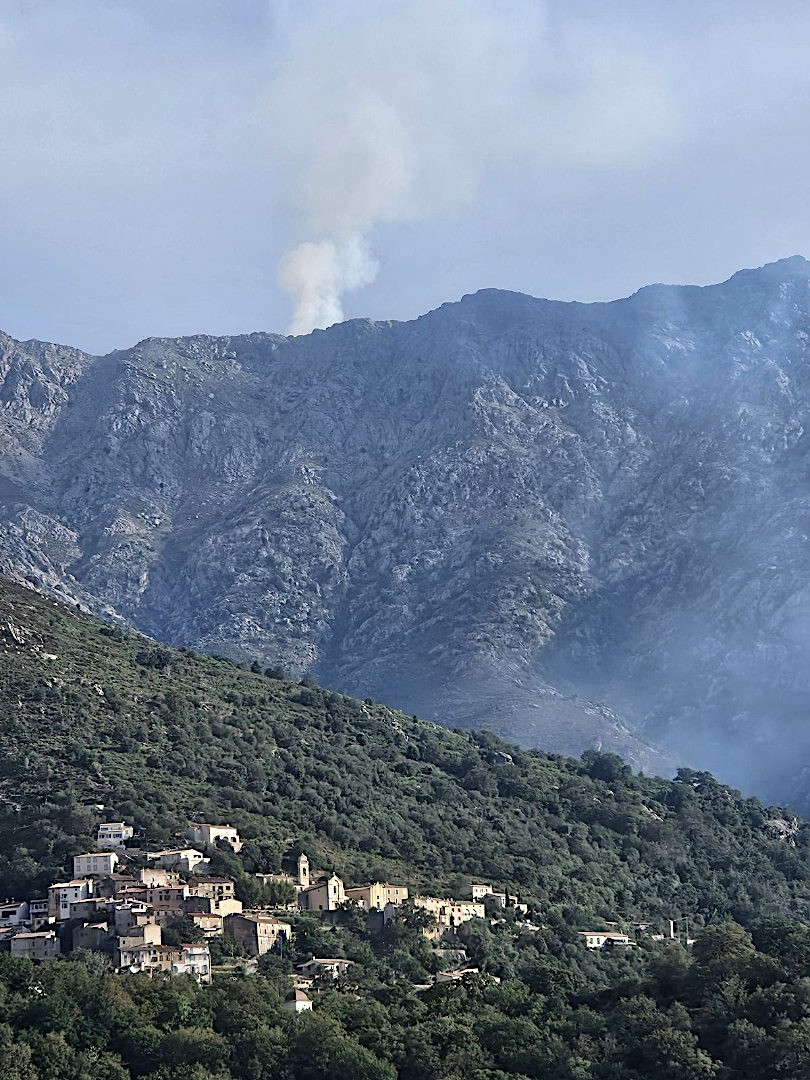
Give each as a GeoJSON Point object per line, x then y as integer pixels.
{"type": "Point", "coordinates": [495, 515]}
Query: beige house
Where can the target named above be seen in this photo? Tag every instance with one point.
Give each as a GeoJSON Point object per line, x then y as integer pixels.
{"type": "Point", "coordinates": [207, 836]}
{"type": "Point", "coordinates": [135, 937]}
{"type": "Point", "coordinates": [210, 925]}
{"type": "Point", "coordinates": [64, 893]}
{"type": "Point", "coordinates": [43, 945]}
{"type": "Point", "coordinates": [156, 875]}
{"type": "Point", "coordinates": [447, 912]}
{"type": "Point", "coordinates": [113, 834]}
{"type": "Point", "coordinates": [204, 905]}
{"type": "Point", "coordinates": [598, 939]}
{"type": "Point", "coordinates": [194, 960]}
{"type": "Point", "coordinates": [129, 913]}
{"type": "Point", "coordinates": [257, 934]}
{"type": "Point", "coordinates": [324, 896]}
{"type": "Point", "coordinates": [94, 864]}
{"type": "Point", "coordinates": [477, 890]}
{"type": "Point", "coordinates": [377, 895]}
{"type": "Point", "coordinates": [216, 888]}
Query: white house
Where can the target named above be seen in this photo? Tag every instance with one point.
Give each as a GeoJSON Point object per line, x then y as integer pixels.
{"type": "Point", "coordinates": [13, 912]}
{"type": "Point", "coordinates": [297, 1002]}
{"type": "Point", "coordinates": [94, 864]}
{"type": "Point", "coordinates": [207, 835]}
{"type": "Point", "coordinates": [598, 939]}
{"type": "Point", "coordinates": [477, 890]}
{"type": "Point", "coordinates": [112, 834]}
{"type": "Point", "coordinates": [64, 893]}
{"type": "Point", "coordinates": [178, 859]}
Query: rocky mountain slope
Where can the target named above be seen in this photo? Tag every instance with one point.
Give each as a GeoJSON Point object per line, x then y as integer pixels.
{"type": "Point", "coordinates": [495, 514]}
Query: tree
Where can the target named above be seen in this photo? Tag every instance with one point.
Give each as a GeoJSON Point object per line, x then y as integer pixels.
{"type": "Point", "coordinates": [722, 950]}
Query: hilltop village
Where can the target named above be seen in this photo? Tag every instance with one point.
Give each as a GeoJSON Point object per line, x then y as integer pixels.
{"type": "Point", "coordinates": [130, 904]}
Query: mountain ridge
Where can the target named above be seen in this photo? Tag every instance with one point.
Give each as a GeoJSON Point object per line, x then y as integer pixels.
{"type": "Point", "coordinates": [505, 512]}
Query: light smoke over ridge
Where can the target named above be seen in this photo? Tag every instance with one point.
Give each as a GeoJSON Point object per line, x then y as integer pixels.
{"type": "Point", "coordinates": [393, 117]}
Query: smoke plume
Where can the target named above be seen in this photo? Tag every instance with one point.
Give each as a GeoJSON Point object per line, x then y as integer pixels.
{"type": "Point", "coordinates": [318, 273]}
{"type": "Point", "coordinates": [387, 114]}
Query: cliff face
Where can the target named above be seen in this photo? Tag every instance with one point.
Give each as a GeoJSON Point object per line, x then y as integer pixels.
{"type": "Point", "coordinates": [493, 515]}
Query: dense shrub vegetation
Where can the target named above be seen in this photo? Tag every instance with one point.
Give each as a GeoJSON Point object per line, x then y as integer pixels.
{"type": "Point", "coordinates": [92, 715]}
{"type": "Point", "coordinates": [729, 1011]}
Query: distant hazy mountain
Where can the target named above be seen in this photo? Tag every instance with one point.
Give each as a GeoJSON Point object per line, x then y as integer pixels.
{"type": "Point", "coordinates": [495, 515]}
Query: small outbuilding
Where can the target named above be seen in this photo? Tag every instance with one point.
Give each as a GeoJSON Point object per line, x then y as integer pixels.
{"type": "Point", "coordinates": [297, 1002]}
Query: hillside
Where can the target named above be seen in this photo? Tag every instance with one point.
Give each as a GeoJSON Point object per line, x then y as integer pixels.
{"type": "Point", "coordinates": [92, 714]}
{"type": "Point", "coordinates": [499, 515]}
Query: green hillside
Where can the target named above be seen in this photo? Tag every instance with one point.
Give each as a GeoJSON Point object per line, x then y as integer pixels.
{"type": "Point", "coordinates": [93, 714]}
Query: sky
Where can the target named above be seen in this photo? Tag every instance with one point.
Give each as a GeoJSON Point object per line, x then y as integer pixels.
{"type": "Point", "coordinates": [171, 167]}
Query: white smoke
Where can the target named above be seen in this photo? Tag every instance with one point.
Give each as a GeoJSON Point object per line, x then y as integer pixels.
{"type": "Point", "coordinates": [318, 273]}
{"type": "Point", "coordinates": [394, 113]}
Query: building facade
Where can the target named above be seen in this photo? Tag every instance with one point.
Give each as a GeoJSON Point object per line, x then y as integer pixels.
{"type": "Point", "coordinates": [207, 835]}
{"type": "Point", "coordinates": [113, 834]}
{"type": "Point", "coordinates": [324, 896]}
{"type": "Point", "coordinates": [94, 864]}
{"type": "Point", "coordinates": [377, 895]}
{"type": "Point", "coordinates": [64, 893]}
{"type": "Point", "coordinates": [257, 934]}
{"type": "Point", "coordinates": [41, 945]}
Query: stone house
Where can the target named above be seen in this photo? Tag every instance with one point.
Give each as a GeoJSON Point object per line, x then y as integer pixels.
{"type": "Point", "coordinates": [301, 881]}
{"type": "Point", "coordinates": [40, 945]}
{"type": "Point", "coordinates": [257, 934]}
{"type": "Point", "coordinates": [192, 960]}
{"type": "Point", "coordinates": [156, 875]}
{"type": "Point", "coordinates": [205, 905]}
{"type": "Point", "coordinates": [460, 973]}
{"type": "Point", "coordinates": [208, 924]}
{"type": "Point", "coordinates": [92, 935]}
{"type": "Point", "coordinates": [38, 911]}
{"type": "Point", "coordinates": [216, 888]}
{"type": "Point", "coordinates": [448, 913]}
{"type": "Point", "coordinates": [160, 899]}
{"type": "Point", "coordinates": [129, 913]}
